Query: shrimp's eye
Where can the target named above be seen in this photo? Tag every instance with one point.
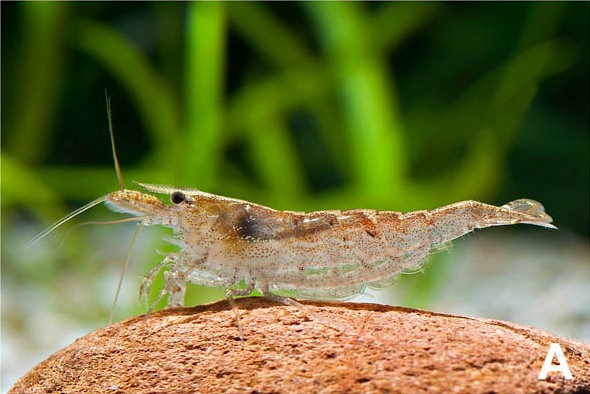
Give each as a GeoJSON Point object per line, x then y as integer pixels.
{"type": "Point", "coordinates": [177, 197]}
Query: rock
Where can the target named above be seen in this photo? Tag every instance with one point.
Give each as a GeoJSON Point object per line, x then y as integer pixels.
{"type": "Point", "coordinates": [332, 347]}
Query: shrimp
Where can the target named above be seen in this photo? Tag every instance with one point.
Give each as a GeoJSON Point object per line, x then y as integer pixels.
{"type": "Point", "coordinates": [315, 255]}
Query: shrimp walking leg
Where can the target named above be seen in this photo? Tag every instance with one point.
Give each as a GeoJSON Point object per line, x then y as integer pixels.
{"type": "Point", "coordinates": [175, 286]}
{"type": "Point", "coordinates": [306, 311]}
{"type": "Point", "coordinates": [146, 283]}
{"type": "Point", "coordinates": [230, 294]}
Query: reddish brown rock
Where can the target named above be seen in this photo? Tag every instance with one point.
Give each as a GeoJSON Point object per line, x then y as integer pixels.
{"type": "Point", "coordinates": [380, 349]}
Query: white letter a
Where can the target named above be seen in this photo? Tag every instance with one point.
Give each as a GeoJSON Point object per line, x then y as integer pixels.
{"type": "Point", "coordinates": [555, 350]}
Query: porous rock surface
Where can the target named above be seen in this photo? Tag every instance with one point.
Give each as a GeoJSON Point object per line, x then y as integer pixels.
{"type": "Point", "coordinates": [332, 348]}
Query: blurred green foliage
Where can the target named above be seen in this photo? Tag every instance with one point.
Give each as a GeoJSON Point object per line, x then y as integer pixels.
{"type": "Point", "coordinates": [300, 106]}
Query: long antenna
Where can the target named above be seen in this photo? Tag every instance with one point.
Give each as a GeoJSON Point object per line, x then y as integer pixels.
{"type": "Point", "coordinates": [124, 269]}
{"type": "Point", "coordinates": [115, 158]}
{"type": "Point", "coordinates": [61, 221]}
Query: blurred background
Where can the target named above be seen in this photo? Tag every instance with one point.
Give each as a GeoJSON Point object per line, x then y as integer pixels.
{"type": "Point", "coordinates": [298, 106]}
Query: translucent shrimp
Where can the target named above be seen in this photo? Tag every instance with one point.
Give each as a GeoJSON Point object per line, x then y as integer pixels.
{"type": "Point", "coordinates": [317, 255]}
